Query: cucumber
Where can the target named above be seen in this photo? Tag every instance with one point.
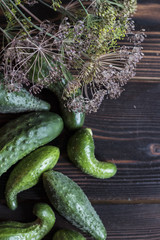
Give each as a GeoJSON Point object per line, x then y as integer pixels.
{"type": "Point", "coordinates": [72, 203]}
{"type": "Point", "coordinates": [20, 101]}
{"type": "Point", "coordinates": [80, 150]}
{"type": "Point", "coordinates": [27, 172]}
{"type": "Point", "coordinates": [65, 234]}
{"type": "Point", "coordinates": [36, 230]}
{"type": "Point", "coordinates": [26, 133]}
{"type": "Point", "coordinates": [72, 120]}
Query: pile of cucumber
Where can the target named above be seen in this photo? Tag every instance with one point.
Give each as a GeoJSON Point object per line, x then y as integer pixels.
{"type": "Point", "coordinates": [25, 139]}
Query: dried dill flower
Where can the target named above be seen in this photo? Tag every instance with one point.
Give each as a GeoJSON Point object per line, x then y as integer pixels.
{"type": "Point", "coordinates": [106, 75]}
{"type": "Point", "coordinates": [33, 60]}
{"type": "Point", "coordinates": [31, 2]}
{"type": "Point", "coordinates": [79, 59]}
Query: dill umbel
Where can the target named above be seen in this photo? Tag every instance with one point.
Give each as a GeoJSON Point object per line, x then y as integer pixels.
{"type": "Point", "coordinates": [80, 57]}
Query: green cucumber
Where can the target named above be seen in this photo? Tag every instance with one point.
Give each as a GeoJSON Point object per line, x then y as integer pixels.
{"type": "Point", "coordinates": [72, 120]}
{"type": "Point", "coordinates": [72, 203]}
{"type": "Point", "coordinates": [27, 172]}
{"type": "Point", "coordinates": [65, 234]}
{"type": "Point", "coordinates": [36, 230]}
{"type": "Point", "coordinates": [20, 101]}
{"type": "Point", "coordinates": [26, 133]}
{"type": "Point", "coordinates": [80, 150]}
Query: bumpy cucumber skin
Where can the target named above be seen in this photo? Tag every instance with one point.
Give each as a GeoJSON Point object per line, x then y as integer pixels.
{"type": "Point", "coordinates": [27, 172]}
{"type": "Point", "coordinates": [65, 234]}
{"type": "Point", "coordinates": [28, 231]}
{"type": "Point", "coordinates": [26, 133]}
{"type": "Point", "coordinates": [80, 150]}
{"type": "Point", "coordinates": [72, 203]}
{"type": "Point", "coordinates": [22, 101]}
{"type": "Point", "coordinates": [72, 120]}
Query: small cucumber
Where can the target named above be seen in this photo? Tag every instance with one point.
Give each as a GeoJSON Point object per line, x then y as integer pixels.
{"type": "Point", "coordinates": [80, 150]}
{"type": "Point", "coordinates": [65, 234]}
{"type": "Point", "coordinates": [72, 120]}
{"type": "Point", "coordinates": [20, 101]}
{"type": "Point", "coordinates": [26, 133]}
{"type": "Point", "coordinates": [72, 203]}
{"type": "Point", "coordinates": [27, 172]}
{"type": "Point", "coordinates": [36, 230]}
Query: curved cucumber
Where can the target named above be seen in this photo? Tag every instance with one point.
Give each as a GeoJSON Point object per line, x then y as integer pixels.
{"type": "Point", "coordinates": [65, 234]}
{"type": "Point", "coordinates": [28, 231]}
{"type": "Point", "coordinates": [26, 133]}
{"type": "Point", "coordinates": [28, 171]}
{"type": "Point", "coordinates": [81, 152]}
{"type": "Point", "coordinates": [72, 203]}
{"type": "Point", "coordinates": [20, 101]}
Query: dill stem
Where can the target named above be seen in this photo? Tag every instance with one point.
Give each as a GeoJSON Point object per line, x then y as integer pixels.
{"type": "Point", "coordinates": [30, 22]}
{"type": "Point", "coordinates": [83, 7]}
{"type": "Point", "coordinates": [24, 15]}
{"type": "Point", "coordinates": [44, 3]}
{"type": "Point", "coordinates": [61, 9]}
{"type": "Point", "coordinates": [5, 33]}
{"type": "Point", "coordinates": [5, 5]}
{"type": "Point", "coordinates": [31, 14]}
{"type": "Point", "coordinates": [64, 11]}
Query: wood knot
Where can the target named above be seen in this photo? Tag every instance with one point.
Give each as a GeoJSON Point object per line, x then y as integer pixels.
{"type": "Point", "coordinates": [154, 149]}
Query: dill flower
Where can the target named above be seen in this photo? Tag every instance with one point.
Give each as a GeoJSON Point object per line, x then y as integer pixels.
{"type": "Point", "coordinates": [33, 60]}
{"type": "Point", "coordinates": [106, 75]}
{"type": "Point", "coordinates": [79, 59]}
{"type": "Point", "coordinates": [31, 2]}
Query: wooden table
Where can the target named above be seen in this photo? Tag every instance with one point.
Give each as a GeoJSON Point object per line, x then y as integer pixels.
{"type": "Point", "coordinates": [126, 131]}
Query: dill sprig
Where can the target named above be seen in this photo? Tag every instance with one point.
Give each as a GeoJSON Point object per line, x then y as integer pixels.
{"type": "Point", "coordinates": [79, 58]}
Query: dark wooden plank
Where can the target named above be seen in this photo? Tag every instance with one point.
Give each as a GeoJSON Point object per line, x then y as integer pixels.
{"type": "Point", "coordinates": [147, 16]}
{"type": "Point", "coordinates": [126, 132]}
{"type": "Point", "coordinates": [135, 222]}
{"type": "Point", "coordinates": [148, 69]}
{"type": "Point", "coordinates": [132, 222]}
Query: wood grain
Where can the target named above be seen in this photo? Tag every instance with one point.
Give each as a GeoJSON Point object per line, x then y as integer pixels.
{"type": "Point", "coordinates": [126, 132]}
{"type": "Point", "coordinates": [122, 221]}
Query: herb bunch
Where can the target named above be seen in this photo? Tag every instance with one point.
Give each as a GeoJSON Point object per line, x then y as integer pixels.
{"type": "Point", "coordinates": [79, 58]}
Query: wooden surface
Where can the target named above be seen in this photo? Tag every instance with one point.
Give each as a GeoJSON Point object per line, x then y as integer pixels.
{"type": "Point", "coordinates": [127, 132]}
